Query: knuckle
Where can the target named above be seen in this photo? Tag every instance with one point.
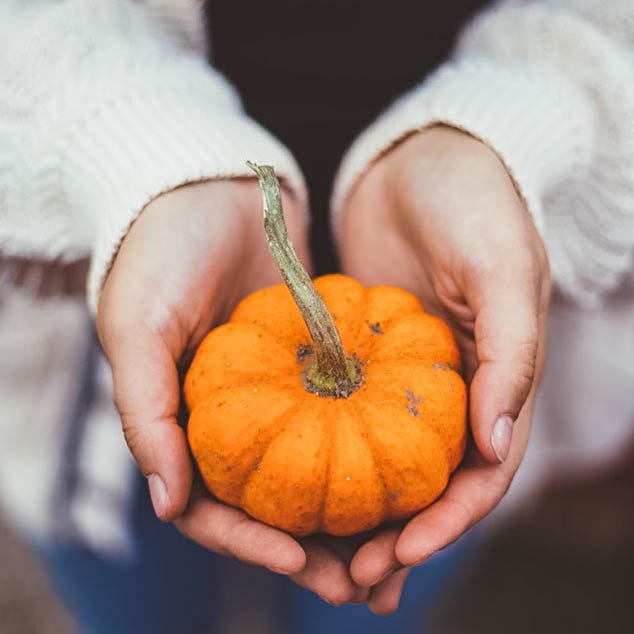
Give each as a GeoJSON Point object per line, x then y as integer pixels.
{"type": "Point", "coordinates": [141, 438]}
{"type": "Point", "coordinates": [501, 483]}
{"type": "Point", "coordinates": [526, 358]}
{"type": "Point", "coordinates": [464, 515]}
{"type": "Point", "coordinates": [525, 364]}
{"type": "Point", "coordinates": [134, 438]}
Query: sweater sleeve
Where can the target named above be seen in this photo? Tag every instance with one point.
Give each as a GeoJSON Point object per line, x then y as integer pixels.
{"type": "Point", "coordinates": [100, 112]}
{"type": "Point", "coordinates": [549, 85]}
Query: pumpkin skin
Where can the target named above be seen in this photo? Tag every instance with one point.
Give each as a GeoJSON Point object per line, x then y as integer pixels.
{"type": "Point", "coordinates": [303, 462]}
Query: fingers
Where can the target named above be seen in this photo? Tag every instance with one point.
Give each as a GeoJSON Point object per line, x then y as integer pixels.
{"type": "Point", "coordinates": [147, 395]}
{"type": "Point", "coordinates": [472, 493]}
{"type": "Point", "coordinates": [228, 531]}
{"type": "Point", "coordinates": [326, 574]}
{"type": "Point", "coordinates": [376, 559]}
{"type": "Point", "coordinates": [507, 336]}
{"type": "Point", "coordinates": [386, 596]}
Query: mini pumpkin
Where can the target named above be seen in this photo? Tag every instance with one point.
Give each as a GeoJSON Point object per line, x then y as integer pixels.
{"type": "Point", "coordinates": [334, 417]}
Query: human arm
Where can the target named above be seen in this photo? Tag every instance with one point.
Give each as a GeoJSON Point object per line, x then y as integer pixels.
{"type": "Point", "coordinates": [119, 145]}
{"type": "Point", "coordinates": [542, 92]}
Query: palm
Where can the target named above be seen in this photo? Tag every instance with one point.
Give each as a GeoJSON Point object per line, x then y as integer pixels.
{"type": "Point", "coordinates": [389, 257]}
{"type": "Point", "coordinates": [440, 217]}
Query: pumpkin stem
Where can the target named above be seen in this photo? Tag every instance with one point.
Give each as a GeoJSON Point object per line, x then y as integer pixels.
{"type": "Point", "coordinates": [333, 373]}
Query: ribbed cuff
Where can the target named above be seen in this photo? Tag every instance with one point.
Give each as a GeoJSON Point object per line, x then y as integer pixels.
{"type": "Point", "coordinates": [138, 147]}
{"type": "Point", "coordinates": [534, 121]}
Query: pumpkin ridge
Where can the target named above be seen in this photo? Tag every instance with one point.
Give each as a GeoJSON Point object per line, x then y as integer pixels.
{"type": "Point", "coordinates": [424, 340]}
{"type": "Point", "coordinates": [363, 422]}
{"type": "Point", "coordinates": [358, 308]}
{"type": "Point", "coordinates": [389, 512]}
{"type": "Point", "coordinates": [352, 420]}
{"type": "Point", "coordinates": [266, 303]}
{"type": "Point", "coordinates": [290, 346]}
{"type": "Point", "coordinates": [387, 322]}
{"type": "Point", "coordinates": [250, 474]}
{"type": "Point", "coordinates": [238, 353]}
{"type": "Point", "coordinates": [270, 427]}
{"type": "Point", "coordinates": [253, 381]}
{"type": "Point", "coordinates": [322, 506]}
{"type": "Point", "coordinates": [357, 338]}
{"type": "Point", "coordinates": [393, 392]}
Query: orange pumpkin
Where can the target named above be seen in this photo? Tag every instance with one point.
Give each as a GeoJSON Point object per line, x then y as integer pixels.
{"type": "Point", "coordinates": [334, 430]}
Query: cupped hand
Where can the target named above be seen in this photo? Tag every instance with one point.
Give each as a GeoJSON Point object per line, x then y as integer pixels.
{"type": "Point", "coordinates": [440, 216]}
{"type": "Point", "coordinates": [192, 254]}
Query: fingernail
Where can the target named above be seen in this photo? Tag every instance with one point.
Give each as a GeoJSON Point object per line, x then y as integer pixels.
{"type": "Point", "coordinates": [501, 437]}
{"type": "Point", "coordinates": [158, 493]}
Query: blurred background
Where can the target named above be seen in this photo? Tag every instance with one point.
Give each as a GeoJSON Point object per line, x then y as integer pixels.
{"type": "Point", "coordinates": [563, 565]}
{"type": "Point", "coordinates": [561, 562]}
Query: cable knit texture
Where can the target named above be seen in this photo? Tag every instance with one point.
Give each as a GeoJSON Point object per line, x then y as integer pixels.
{"type": "Point", "coordinates": [549, 85]}
{"type": "Point", "coordinates": [100, 112]}
{"type": "Point", "coordinates": [105, 104]}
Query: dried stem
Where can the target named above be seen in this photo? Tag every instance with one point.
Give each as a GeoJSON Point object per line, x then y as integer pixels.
{"type": "Point", "coordinates": [332, 373]}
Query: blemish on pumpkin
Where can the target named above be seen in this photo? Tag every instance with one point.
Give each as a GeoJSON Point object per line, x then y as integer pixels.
{"type": "Point", "coordinates": [303, 351]}
{"type": "Point", "coordinates": [256, 464]}
{"type": "Point", "coordinates": [375, 327]}
{"type": "Point", "coordinates": [348, 478]}
{"type": "Point", "coordinates": [441, 366]}
{"type": "Point", "coordinates": [394, 495]}
{"type": "Point", "coordinates": [412, 401]}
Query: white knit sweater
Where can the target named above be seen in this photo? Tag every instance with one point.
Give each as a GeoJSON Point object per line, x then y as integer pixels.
{"type": "Point", "coordinates": [105, 104]}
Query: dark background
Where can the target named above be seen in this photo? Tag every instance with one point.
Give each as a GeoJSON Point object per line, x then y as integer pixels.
{"type": "Point", "coordinates": [317, 72]}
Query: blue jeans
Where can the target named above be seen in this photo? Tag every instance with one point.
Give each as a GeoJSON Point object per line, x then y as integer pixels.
{"type": "Point", "coordinates": [175, 587]}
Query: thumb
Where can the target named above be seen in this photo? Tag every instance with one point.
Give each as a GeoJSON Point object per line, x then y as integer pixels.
{"type": "Point", "coordinates": [506, 338]}
{"type": "Point", "coordinates": [147, 395]}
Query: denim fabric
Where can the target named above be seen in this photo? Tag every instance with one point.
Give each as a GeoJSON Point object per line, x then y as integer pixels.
{"type": "Point", "coordinates": [173, 586]}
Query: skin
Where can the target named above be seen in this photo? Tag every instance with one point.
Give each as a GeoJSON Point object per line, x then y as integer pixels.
{"type": "Point", "coordinates": [440, 216]}
{"type": "Point", "coordinates": [437, 215]}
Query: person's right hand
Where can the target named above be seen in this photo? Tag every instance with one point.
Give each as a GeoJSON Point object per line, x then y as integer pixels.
{"type": "Point", "coordinates": [439, 215]}
{"type": "Point", "coordinates": [192, 254]}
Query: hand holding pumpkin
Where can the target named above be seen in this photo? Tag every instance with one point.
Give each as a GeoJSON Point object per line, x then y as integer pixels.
{"type": "Point", "coordinates": [187, 260]}
{"type": "Point", "coordinates": [438, 215]}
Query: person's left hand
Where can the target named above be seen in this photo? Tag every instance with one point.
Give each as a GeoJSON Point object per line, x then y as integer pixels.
{"type": "Point", "coordinates": [439, 215]}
